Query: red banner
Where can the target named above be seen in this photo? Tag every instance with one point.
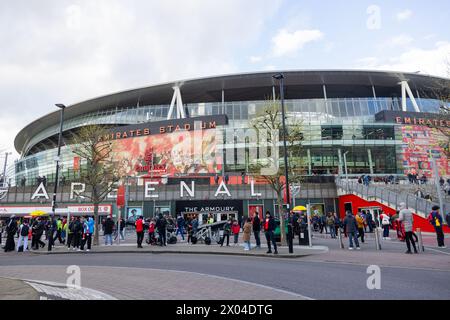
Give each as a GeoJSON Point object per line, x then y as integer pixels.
{"type": "Point", "coordinates": [121, 196]}
{"type": "Point", "coordinates": [76, 163]}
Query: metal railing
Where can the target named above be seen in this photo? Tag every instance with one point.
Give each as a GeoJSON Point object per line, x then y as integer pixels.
{"type": "Point", "coordinates": [390, 198]}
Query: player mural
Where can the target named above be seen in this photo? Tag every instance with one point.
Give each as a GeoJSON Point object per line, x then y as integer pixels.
{"type": "Point", "coordinates": [419, 143]}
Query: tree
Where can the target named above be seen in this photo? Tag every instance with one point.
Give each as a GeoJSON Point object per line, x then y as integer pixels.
{"type": "Point", "coordinates": [101, 172]}
{"type": "Point", "coordinates": [269, 127]}
{"type": "Point", "coordinates": [440, 91]}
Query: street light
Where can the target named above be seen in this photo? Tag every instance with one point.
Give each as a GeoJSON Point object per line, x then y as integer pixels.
{"type": "Point", "coordinates": [280, 78]}
{"type": "Point", "coordinates": [345, 165]}
{"type": "Point", "coordinates": [4, 168]}
{"type": "Point", "coordinates": [55, 190]}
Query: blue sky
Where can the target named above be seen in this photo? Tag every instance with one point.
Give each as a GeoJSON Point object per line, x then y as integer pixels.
{"type": "Point", "coordinates": [68, 51]}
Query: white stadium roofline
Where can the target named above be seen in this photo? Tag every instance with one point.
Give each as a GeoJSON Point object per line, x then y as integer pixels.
{"type": "Point", "coordinates": [207, 84]}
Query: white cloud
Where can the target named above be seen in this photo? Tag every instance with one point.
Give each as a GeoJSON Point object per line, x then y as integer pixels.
{"type": "Point", "coordinates": [404, 15]}
{"type": "Point", "coordinates": [255, 59]}
{"type": "Point", "coordinates": [66, 52]}
{"type": "Point", "coordinates": [401, 40]}
{"type": "Point", "coordinates": [428, 61]}
{"type": "Point", "coordinates": [288, 43]}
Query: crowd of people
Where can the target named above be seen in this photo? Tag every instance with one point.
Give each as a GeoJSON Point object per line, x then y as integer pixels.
{"type": "Point", "coordinates": [77, 234]}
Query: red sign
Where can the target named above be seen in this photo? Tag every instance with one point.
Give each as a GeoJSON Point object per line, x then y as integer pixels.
{"type": "Point", "coordinates": [121, 196]}
{"type": "Point", "coordinates": [76, 163]}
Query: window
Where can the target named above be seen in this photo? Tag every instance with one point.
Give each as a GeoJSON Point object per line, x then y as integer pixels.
{"type": "Point", "coordinates": [332, 133]}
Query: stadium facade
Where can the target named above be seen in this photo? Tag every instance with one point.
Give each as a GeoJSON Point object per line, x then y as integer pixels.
{"type": "Point", "coordinates": [370, 122]}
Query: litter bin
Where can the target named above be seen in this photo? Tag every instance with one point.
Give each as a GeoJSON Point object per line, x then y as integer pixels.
{"type": "Point", "coordinates": [303, 239]}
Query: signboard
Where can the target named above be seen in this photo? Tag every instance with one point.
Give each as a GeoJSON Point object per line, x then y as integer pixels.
{"type": "Point", "coordinates": [169, 154]}
{"type": "Point", "coordinates": [414, 118]}
{"type": "Point", "coordinates": [89, 209]}
{"type": "Point", "coordinates": [209, 206]}
{"type": "Point", "coordinates": [121, 196]}
{"type": "Point", "coordinates": [167, 126]}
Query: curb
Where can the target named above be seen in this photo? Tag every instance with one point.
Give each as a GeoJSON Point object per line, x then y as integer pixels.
{"type": "Point", "coordinates": [242, 254]}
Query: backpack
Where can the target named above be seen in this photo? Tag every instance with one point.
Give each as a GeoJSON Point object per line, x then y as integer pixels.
{"type": "Point", "coordinates": [24, 231]}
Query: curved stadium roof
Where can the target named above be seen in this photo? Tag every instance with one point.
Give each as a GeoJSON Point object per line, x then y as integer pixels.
{"type": "Point", "coordinates": [304, 84]}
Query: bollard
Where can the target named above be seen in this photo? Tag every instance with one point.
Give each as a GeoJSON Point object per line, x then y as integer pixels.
{"type": "Point", "coordinates": [419, 238]}
{"type": "Point", "coordinates": [377, 239]}
{"type": "Point", "coordinates": [341, 243]}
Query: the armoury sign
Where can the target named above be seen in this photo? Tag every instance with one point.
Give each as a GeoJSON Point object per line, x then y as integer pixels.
{"type": "Point", "coordinates": [150, 191]}
{"type": "Point", "coordinates": [167, 126]}
{"type": "Point", "coordinates": [414, 118]}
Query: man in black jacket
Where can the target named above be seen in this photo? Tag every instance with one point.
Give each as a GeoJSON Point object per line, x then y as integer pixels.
{"type": "Point", "coordinates": [269, 228]}
{"type": "Point", "coordinates": [161, 225]}
{"type": "Point", "coordinates": [257, 229]}
{"type": "Point", "coordinates": [109, 228]}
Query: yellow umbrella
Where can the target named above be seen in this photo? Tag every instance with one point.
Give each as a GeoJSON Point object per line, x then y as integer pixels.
{"type": "Point", "coordinates": [38, 213]}
{"type": "Point", "coordinates": [299, 208]}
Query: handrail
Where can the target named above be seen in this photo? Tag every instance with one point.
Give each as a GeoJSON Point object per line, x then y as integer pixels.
{"type": "Point", "coordinates": [421, 206]}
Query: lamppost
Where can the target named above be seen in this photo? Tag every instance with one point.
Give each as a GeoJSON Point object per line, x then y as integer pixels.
{"type": "Point", "coordinates": [280, 78]}
{"type": "Point", "coordinates": [57, 159]}
{"type": "Point", "coordinates": [4, 168]}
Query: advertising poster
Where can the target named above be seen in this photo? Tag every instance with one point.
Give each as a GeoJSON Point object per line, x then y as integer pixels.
{"type": "Point", "coordinates": [170, 154]}
{"type": "Point", "coordinates": [134, 213]}
{"type": "Point", "coordinates": [418, 143]}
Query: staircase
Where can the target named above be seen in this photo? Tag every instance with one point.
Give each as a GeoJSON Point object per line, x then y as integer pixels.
{"type": "Point", "coordinates": [390, 195]}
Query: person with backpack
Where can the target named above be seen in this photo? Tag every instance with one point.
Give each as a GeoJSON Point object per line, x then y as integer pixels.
{"type": "Point", "coordinates": [139, 231]}
{"type": "Point", "coordinates": [385, 223]}
{"type": "Point", "coordinates": [331, 225]}
{"type": "Point", "coordinates": [236, 228]}
{"type": "Point", "coordinates": [22, 244]}
{"type": "Point", "coordinates": [226, 233]}
{"type": "Point", "coordinates": [351, 227]}
{"type": "Point", "coordinates": [435, 219]}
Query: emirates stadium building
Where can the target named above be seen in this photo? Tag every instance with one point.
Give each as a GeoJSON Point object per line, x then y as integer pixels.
{"type": "Point", "coordinates": [353, 122]}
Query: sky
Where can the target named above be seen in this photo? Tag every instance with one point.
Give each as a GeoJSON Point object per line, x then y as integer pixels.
{"type": "Point", "coordinates": [61, 51]}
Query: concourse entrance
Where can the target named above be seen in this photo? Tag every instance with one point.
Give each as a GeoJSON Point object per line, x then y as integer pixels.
{"type": "Point", "coordinates": [220, 210]}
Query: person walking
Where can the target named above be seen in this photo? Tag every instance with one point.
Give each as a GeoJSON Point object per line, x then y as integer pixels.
{"type": "Point", "coordinates": [248, 227]}
{"type": "Point", "coordinates": [120, 226]}
{"type": "Point", "coordinates": [139, 231]}
{"type": "Point", "coordinates": [331, 225]}
{"type": "Point", "coordinates": [22, 244]}
{"type": "Point", "coordinates": [360, 222]}
{"type": "Point", "coordinates": [236, 228]}
{"type": "Point", "coordinates": [108, 231]}
{"type": "Point", "coordinates": [385, 223]}
{"type": "Point", "coordinates": [58, 232]}
{"type": "Point", "coordinates": [351, 227]}
{"type": "Point", "coordinates": [407, 218]}
{"type": "Point", "coordinates": [269, 228]}
{"type": "Point", "coordinates": [69, 232]}
{"type": "Point", "coordinates": [51, 229]}
{"type": "Point", "coordinates": [256, 226]}
{"type": "Point", "coordinates": [435, 219]}
{"type": "Point", "coordinates": [369, 220]}
{"type": "Point", "coordinates": [226, 233]}
{"type": "Point", "coordinates": [180, 226]}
